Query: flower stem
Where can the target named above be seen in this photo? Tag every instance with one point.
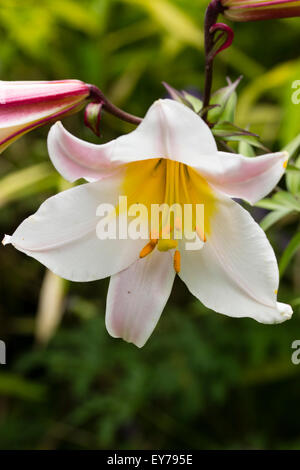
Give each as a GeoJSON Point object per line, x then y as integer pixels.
{"type": "Point", "coordinates": [97, 95]}
{"type": "Point", "coordinates": [212, 12]}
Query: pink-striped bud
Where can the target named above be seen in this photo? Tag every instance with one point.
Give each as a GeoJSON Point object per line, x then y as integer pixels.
{"type": "Point", "coordinates": [27, 105]}
{"type": "Point", "coordinates": [253, 10]}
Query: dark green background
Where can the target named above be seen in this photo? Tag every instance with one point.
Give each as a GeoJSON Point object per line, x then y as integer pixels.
{"type": "Point", "coordinates": [203, 380]}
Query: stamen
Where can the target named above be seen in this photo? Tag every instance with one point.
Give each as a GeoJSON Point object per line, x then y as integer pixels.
{"type": "Point", "coordinates": [154, 236]}
{"type": "Point", "coordinates": [178, 224]}
{"type": "Point", "coordinates": [177, 261]}
{"type": "Point", "coordinates": [148, 249]}
{"type": "Point", "coordinates": [166, 231]}
{"type": "Point", "coordinates": [201, 234]}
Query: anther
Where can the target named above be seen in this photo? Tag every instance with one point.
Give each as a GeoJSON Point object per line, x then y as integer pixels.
{"type": "Point", "coordinates": [147, 249]}
{"type": "Point", "coordinates": [177, 260]}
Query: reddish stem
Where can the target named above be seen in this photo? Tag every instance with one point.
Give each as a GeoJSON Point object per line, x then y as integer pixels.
{"type": "Point", "coordinates": [97, 95]}
{"type": "Point", "coordinates": [211, 16]}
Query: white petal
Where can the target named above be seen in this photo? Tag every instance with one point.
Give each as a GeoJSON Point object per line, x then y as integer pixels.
{"type": "Point", "coordinates": [169, 130]}
{"type": "Point", "coordinates": [74, 158]}
{"type": "Point", "coordinates": [236, 271]}
{"type": "Point", "coordinates": [242, 177]}
{"type": "Point", "coordinates": [62, 234]}
{"type": "Point", "coordinates": [137, 297]}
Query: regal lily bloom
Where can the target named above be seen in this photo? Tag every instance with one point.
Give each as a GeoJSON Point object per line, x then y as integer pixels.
{"type": "Point", "coordinates": [170, 157]}
{"type": "Point", "coordinates": [25, 106]}
{"type": "Point", "coordinates": [253, 10]}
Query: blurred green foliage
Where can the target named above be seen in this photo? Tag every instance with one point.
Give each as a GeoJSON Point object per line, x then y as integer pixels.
{"type": "Point", "coordinates": [203, 380]}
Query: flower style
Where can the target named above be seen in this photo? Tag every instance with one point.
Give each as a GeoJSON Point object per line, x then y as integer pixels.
{"type": "Point", "coordinates": [27, 105]}
{"type": "Point", "coordinates": [170, 157]}
{"type": "Point", "coordinates": [253, 10]}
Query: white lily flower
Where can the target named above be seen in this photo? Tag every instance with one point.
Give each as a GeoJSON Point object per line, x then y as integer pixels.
{"type": "Point", "coordinates": [171, 152]}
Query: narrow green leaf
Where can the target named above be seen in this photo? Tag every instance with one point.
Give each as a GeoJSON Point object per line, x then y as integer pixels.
{"type": "Point", "coordinates": [288, 253]}
{"type": "Point", "coordinates": [13, 385]}
{"type": "Point", "coordinates": [293, 146]}
{"type": "Point", "coordinates": [249, 139]}
{"type": "Point", "coordinates": [26, 182]}
{"type": "Point", "coordinates": [227, 129]}
{"type": "Point", "coordinates": [195, 102]}
{"type": "Point", "coordinates": [222, 98]}
{"type": "Point", "coordinates": [269, 203]}
{"type": "Point", "coordinates": [288, 200]}
{"type": "Point", "coordinates": [293, 177]}
{"type": "Point", "coordinates": [273, 217]}
{"type": "Point", "coordinates": [246, 149]}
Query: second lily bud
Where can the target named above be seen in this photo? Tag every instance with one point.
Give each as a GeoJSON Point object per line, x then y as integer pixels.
{"type": "Point", "coordinates": [254, 10]}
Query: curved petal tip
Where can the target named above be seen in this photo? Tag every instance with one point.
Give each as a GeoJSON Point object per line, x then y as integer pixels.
{"type": "Point", "coordinates": [285, 312]}
{"type": "Point", "coordinates": [6, 240]}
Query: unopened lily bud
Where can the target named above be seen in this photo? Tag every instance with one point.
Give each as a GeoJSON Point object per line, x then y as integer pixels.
{"type": "Point", "coordinates": [92, 117]}
{"type": "Point", "coordinates": [25, 106]}
{"type": "Point", "coordinates": [253, 10]}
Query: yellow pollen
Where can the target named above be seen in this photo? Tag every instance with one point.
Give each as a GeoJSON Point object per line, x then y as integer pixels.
{"type": "Point", "coordinates": [147, 249]}
{"type": "Point", "coordinates": [285, 164]}
{"type": "Point", "coordinates": [165, 245]}
{"type": "Point", "coordinates": [276, 291]}
{"type": "Point", "coordinates": [177, 261]}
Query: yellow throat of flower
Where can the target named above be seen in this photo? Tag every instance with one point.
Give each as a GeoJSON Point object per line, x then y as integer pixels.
{"type": "Point", "coordinates": [173, 187]}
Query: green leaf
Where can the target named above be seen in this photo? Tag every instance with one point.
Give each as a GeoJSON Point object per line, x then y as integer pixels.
{"type": "Point", "coordinates": [288, 253]}
{"type": "Point", "coordinates": [292, 169]}
{"type": "Point", "coordinates": [288, 200]}
{"type": "Point", "coordinates": [227, 129]}
{"type": "Point", "coordinates": [75, 15]}
{"type": "Point", "coordinates": [226, 107]}
{"type": "Point", "coordinates": [246, 149]}
{"type": "Point", "coordinates": [26, 182]}
{"type": "Point", "coordinates": [174, 20]}
{"type": "Point", "coordinates": [293, 177]}
{"type": "Point", "coordinates": [196, 103]}
{"type": "Point", "coordinates": [293, 146]}
{"type": "Point", "coordinates": [248, 139]}
{"type": "Point", "coordinates": [295, 302]}
{"type": "Point", "coordinates": [178, 95]}
{"type": "Point", "coordinates": [229, 110]}
{"type": "Point", "coordinates": [269, 203]}
{"type": "Point", "coordinates": [13, 385]}
{"type": "Point", "coordinates": [280, 200]}
{"type": "Point", "coordinates": [273, 217]}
